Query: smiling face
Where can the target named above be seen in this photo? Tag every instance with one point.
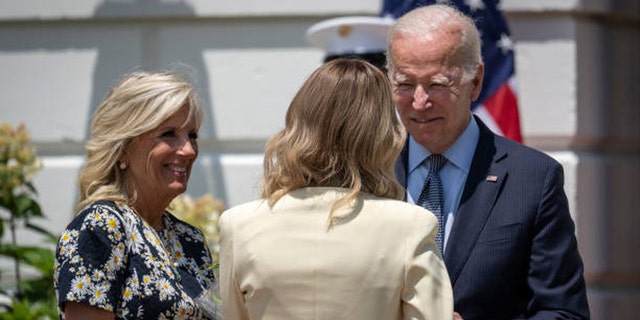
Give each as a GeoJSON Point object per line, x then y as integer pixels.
{"type": "Point", "coordinates": [431, 94]}
{"type": "Point", "coordinates": [159, 161]}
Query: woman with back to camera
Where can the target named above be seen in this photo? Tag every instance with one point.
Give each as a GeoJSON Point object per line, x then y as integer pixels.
{"type": "Point", "coordinates": [331, 238]}
{"type": "Point", "coordinates": [124, 256]}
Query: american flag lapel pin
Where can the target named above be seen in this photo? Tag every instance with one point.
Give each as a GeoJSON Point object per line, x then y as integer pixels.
{"type": "Point", "coordinates": [492, 178]}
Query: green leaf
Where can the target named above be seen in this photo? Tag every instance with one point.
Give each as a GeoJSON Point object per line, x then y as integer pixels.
{"type": "Point", "coordinates": [39, 258]}
{"type": "Point", "coordinates": [25, 206]}
{"type": "Point", "coordinates": [5, 199]}
{"type": "Point", "coordinates": [42, 259]}
{"type": "Point", "coordinates": [31, 188]}
{"type": "Point", "coordinates": [40, 289]}
{"type": "Point", "coordinates": [26, 310]}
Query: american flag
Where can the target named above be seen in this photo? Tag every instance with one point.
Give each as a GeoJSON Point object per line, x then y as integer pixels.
{"type": "Point", "coordinates": [497, 105]}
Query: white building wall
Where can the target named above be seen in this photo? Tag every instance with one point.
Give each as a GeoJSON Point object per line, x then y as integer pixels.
{"type": "Point", "coordinates": [248, 58]}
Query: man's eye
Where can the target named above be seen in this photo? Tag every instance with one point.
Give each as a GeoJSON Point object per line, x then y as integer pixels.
{"type": "Point", "coordinates": [193, 136]}
{"type": "Point", "coordinates": [168, 134]}
{"type": "Point", "coordinates": [439, 87]}
{"type": "Point", "coordinates": [403, 86]}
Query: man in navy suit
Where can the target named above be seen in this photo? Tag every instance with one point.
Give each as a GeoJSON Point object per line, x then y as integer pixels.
{"type": "Point", "coordinates": [509, 242]}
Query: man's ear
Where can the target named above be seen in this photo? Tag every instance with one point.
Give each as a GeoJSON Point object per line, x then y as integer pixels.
{"type": "Point", "coordinates": [476, 82]}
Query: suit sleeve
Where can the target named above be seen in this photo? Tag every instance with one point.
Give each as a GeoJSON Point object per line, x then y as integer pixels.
{"type": "Point", "coordinates": [427, 292]}
{"type": "Point", "coordinates": [556, 270]}
{"type": "Point", "coordinates": [233, 306]}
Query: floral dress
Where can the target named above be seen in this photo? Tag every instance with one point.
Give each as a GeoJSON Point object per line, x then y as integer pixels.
{"type": "Point", "coordinates": [108, 257]}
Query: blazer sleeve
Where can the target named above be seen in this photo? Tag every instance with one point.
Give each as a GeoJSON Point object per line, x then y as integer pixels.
{"type": "Point", "coordinates": [233, 306]}
{"type": "Point", "coordinates": [556, 269]}
{"type": "Point", "coordinates": [427, 292]}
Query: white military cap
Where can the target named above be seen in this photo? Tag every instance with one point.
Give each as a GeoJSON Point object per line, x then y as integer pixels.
{"type": "Point", "coordinates": [350, 35]}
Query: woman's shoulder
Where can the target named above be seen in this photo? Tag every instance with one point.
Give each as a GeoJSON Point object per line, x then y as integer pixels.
{"type": "Point", "coordinates": [97, 228]}
{"type": "Point", "coordinates": [246, 208]}
{"type": "Point", "coordinates": [240, 214]}
{"type": "Point", "coordinates": [101, 211]}
{"type": "Point", "coordinates": [397, 210]}
{"type": "Point", "coordinates": [382, 202]}
{"type": "Point", "coordinates": [100, 205]}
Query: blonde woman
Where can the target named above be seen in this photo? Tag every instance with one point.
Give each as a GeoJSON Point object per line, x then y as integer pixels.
{"type": "Point", "coordinates": [124, 256]}
{"type": "Point", "coordinates": [332, 238]}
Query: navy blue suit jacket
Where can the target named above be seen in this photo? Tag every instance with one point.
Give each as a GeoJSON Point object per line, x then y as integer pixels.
{"type": "Point", "coordinates": [512, 251]}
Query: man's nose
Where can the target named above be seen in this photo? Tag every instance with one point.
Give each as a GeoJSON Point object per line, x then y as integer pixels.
{"type": "Point", "coordinates": [420, 97]}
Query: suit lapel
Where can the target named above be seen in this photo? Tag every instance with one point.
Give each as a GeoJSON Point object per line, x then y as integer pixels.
{"type": "Point", "coordinates": [402, 165]}
{"type": "Point", "coordinates": [480, 193]}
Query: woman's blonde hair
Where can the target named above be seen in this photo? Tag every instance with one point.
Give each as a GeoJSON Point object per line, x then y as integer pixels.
{"type": "Point", "coordinates": [139, 103]}
{"type": "Point", "coordinates": [341, 130]}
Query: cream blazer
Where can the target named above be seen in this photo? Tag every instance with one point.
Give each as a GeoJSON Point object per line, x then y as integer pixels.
{"type": "Point", "coordinates": [380, 261]}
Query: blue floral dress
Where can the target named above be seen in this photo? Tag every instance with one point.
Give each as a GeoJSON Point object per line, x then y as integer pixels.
{"type": "Point", "coordinates": [108, 257]}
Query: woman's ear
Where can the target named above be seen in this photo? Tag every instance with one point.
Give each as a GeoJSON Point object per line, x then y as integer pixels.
{"type": "Point", "coordinates": [123, 161]}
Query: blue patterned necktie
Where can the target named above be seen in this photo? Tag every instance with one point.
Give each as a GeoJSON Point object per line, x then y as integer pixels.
{"type": "Point", "coordinates": [432, 194]}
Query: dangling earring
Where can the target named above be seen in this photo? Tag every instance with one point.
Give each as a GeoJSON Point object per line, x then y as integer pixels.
{"type": "Point", "coordinates": [123, 165]}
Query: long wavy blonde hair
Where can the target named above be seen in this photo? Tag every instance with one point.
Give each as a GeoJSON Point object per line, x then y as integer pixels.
{"type": "Point", "coordinates": [139, 103]}
{"type": "Point", "coordinates": [341, 130]}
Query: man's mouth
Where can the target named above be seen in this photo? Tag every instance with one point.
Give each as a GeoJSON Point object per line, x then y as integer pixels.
{"type": "Point", "coordinates": [421, 121]}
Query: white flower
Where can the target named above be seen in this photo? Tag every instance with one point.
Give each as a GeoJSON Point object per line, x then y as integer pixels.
{"type": "Point", "coordinates": [165, 289]}
{"type": "Point", "coordinates": [80, 286]}
{"type": "Point", "coordinates": [99, 294]}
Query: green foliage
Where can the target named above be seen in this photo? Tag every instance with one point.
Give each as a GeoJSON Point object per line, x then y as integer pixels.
{"type": "Point", "coordinates": [26, 310]}
{"type": "Point", "coordinates": [32, 298]}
